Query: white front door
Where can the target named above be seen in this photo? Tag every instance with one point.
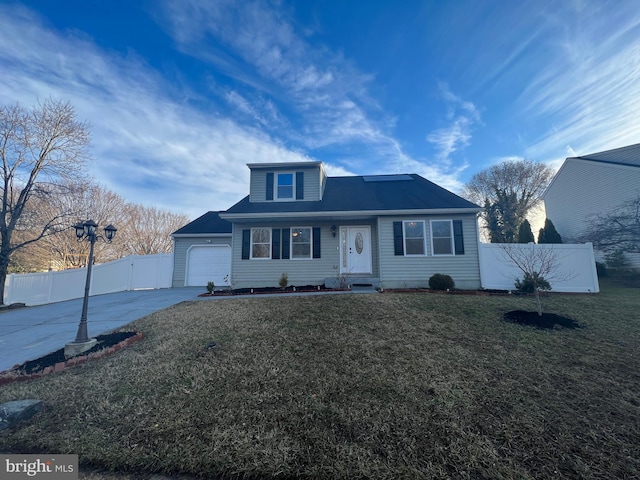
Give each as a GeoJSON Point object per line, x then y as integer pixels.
{"type": "Point", "coordinates": [355, 249]}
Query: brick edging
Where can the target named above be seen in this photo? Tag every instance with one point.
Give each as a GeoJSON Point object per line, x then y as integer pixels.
{"type": "Point", "coordinates": [7, 376]}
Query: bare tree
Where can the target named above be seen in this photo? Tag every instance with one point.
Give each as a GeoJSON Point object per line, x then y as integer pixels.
{"type": "Point", "coordinates": [43, 150]}
{"type": "Point", "coordinates": [617, 230]}
{"type": "Point", "coordinates": [508, 191]}
{"type": "Point", "coordinates": [39, 256]}
{"type": "Point", "coordinates": [141, 230]}
{"type": "Point", "coordinates": [62, 250]}
{"type": "Point", "coordinates": [540, 266]}
{"type": "Point", "coordinates": [147, 230]}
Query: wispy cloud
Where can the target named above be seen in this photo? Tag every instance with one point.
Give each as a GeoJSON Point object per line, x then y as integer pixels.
{"type": "Point", "coordinates": [263, 50]}
{"type": "Point", "coordinates": [462, 117]}
{"type": "Point", "coordinates": [587, 92]}
{"type": "Point", "coordinates": [149, 146]}
{"type": "Point", "coordinates": [173, 146]}
{"type": "Point", "coordinates": [323, 90]}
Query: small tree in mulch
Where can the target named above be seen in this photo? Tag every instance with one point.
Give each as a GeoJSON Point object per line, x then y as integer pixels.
{"type": "Point", "coordinates": [539, 266]}
{"type": "Point", "coordinates": [284, 281]}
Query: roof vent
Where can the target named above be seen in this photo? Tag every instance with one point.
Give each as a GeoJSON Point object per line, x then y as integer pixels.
{"type": "Point", "coordinates": [387, 178]}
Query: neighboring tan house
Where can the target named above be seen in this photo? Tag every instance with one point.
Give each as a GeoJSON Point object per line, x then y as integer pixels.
{"type": "Point", "coordinates": [381, 230]}
{"type": "Point", "coordinates": [592, 185]}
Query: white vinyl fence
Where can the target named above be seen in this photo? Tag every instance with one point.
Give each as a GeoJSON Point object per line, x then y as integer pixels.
{"type": "Point", "coordinates": [576, 270]}
{"type": "Point", "coordinates": [134, 272]}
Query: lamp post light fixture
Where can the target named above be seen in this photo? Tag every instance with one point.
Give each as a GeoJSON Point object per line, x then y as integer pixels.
{"type": "Point", "coordinates": [87, 231]}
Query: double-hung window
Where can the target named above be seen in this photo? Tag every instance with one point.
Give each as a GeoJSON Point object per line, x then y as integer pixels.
{"type": "Point", "coordinates": [285, 186]}
{"type": "Point", "coordinates": [300, 242]}
{"type": "Point", "coordinates": [442, 237]}
{"type": "Point", "coordinates": [260, 243]}
{"type": "Point", "coordinates": [414, 236]}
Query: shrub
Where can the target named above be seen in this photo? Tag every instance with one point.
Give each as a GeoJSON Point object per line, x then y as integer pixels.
{"type": "Point", "coordinates": [210, 287]}
{"type": "Point", "coordinates": [601, 269]}
{"type": "Point", "coordinates": [284, 281]}
{"type": "Point", "coordinates": [439, 281]}
{"type": "Point", "coordinates": [532, 283]}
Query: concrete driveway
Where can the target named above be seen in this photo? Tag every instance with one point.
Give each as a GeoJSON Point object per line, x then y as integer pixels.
{"type": "Point", "coordinates": [31, 332]}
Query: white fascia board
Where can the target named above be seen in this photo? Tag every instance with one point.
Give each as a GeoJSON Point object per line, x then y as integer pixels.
{"type": "Point", "coordinates": [284, 164]}
{"type": "Point", "coordinates": [201, 235]}
{"type": "Point", "coordinates": [368, 213]}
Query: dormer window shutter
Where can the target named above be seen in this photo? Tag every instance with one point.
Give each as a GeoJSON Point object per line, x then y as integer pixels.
{"type": "Point", "coordinates": [299, 185]}
{"type": "Point", "coordinates": [270, 186]}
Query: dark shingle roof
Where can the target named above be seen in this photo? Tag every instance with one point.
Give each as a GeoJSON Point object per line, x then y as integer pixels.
{"type": "Point", "coordinates": [366, 193]}
{"type": "Point", "coordinates": [210, 222]}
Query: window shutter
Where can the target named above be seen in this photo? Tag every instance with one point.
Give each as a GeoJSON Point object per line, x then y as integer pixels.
{"type": "Point", "coordinates": [398, 247]}
{"type": "Point", "coordinates": [246, 243]}
{"type": "Point", "coordinates": [458, 239]}
{"type": "Point", "coordinates": [316, 242]}
{"type": "Point", "coordinates": [270, 186]}
{"type": "Point", "coordinates": [286, 240]}
{"type": "Point", "coordinates": [299, 185]}
{"type": "Point", "coordinates": [275, 243]}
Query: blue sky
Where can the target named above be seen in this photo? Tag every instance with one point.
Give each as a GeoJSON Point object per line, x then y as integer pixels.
{"type": "Point", "coordinates": [181, 95]}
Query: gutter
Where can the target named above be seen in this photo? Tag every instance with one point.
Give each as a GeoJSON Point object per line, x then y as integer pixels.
{"type": "Point", "coordinates": [348, 213]}
{"type": "Point", "coordinates": [207, 235]}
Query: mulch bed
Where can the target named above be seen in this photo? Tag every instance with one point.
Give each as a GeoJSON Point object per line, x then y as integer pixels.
{"type": "Point", "coordinates": [546, 321]}
{"type": "Point", "coordinates": [249, 291]}
{"type": "Point", "coordinates": [322, 288]}
{"type": "Point", "coordinates": [56, 361]}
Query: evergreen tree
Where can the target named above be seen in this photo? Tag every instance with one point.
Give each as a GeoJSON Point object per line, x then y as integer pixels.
{"type": "Point", "coordinates": [525, 235]}
{"type": "Point", "coordinates": [502, 217]}
{"type": "Point", "coordinates": [541, 238]}
{"type": "Point", "coordinates": [549, 234]}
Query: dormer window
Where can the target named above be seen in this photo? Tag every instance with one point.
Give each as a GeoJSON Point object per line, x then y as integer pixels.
{"type": "Point", "coordinates": [285, 186]}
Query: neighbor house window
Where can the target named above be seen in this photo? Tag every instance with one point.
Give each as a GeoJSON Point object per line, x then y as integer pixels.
{"type": "Point", "coordinates": [260, 243]}
{"type": "Point", "coordinates": [285, 186]}
{"type": "Point", "coordinates": [442, 237]}
{"type": "Point", "coordinates": [301, 242]}
{"type": "Point", "coordinates": [414, 237]}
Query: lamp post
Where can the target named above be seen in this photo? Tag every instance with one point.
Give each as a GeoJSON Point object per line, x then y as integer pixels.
{"type": "Point", "coordinates": [87, 231]}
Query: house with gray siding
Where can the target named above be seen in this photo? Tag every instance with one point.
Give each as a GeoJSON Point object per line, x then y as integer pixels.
{"type": "Point", "coordinates": [590, 185]}
{"type": "Point", "coordinates": [387, 231]}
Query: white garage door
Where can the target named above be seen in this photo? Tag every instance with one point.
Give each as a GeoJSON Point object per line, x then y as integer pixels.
{"type": "Point", "coordinates": [208, 264]}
